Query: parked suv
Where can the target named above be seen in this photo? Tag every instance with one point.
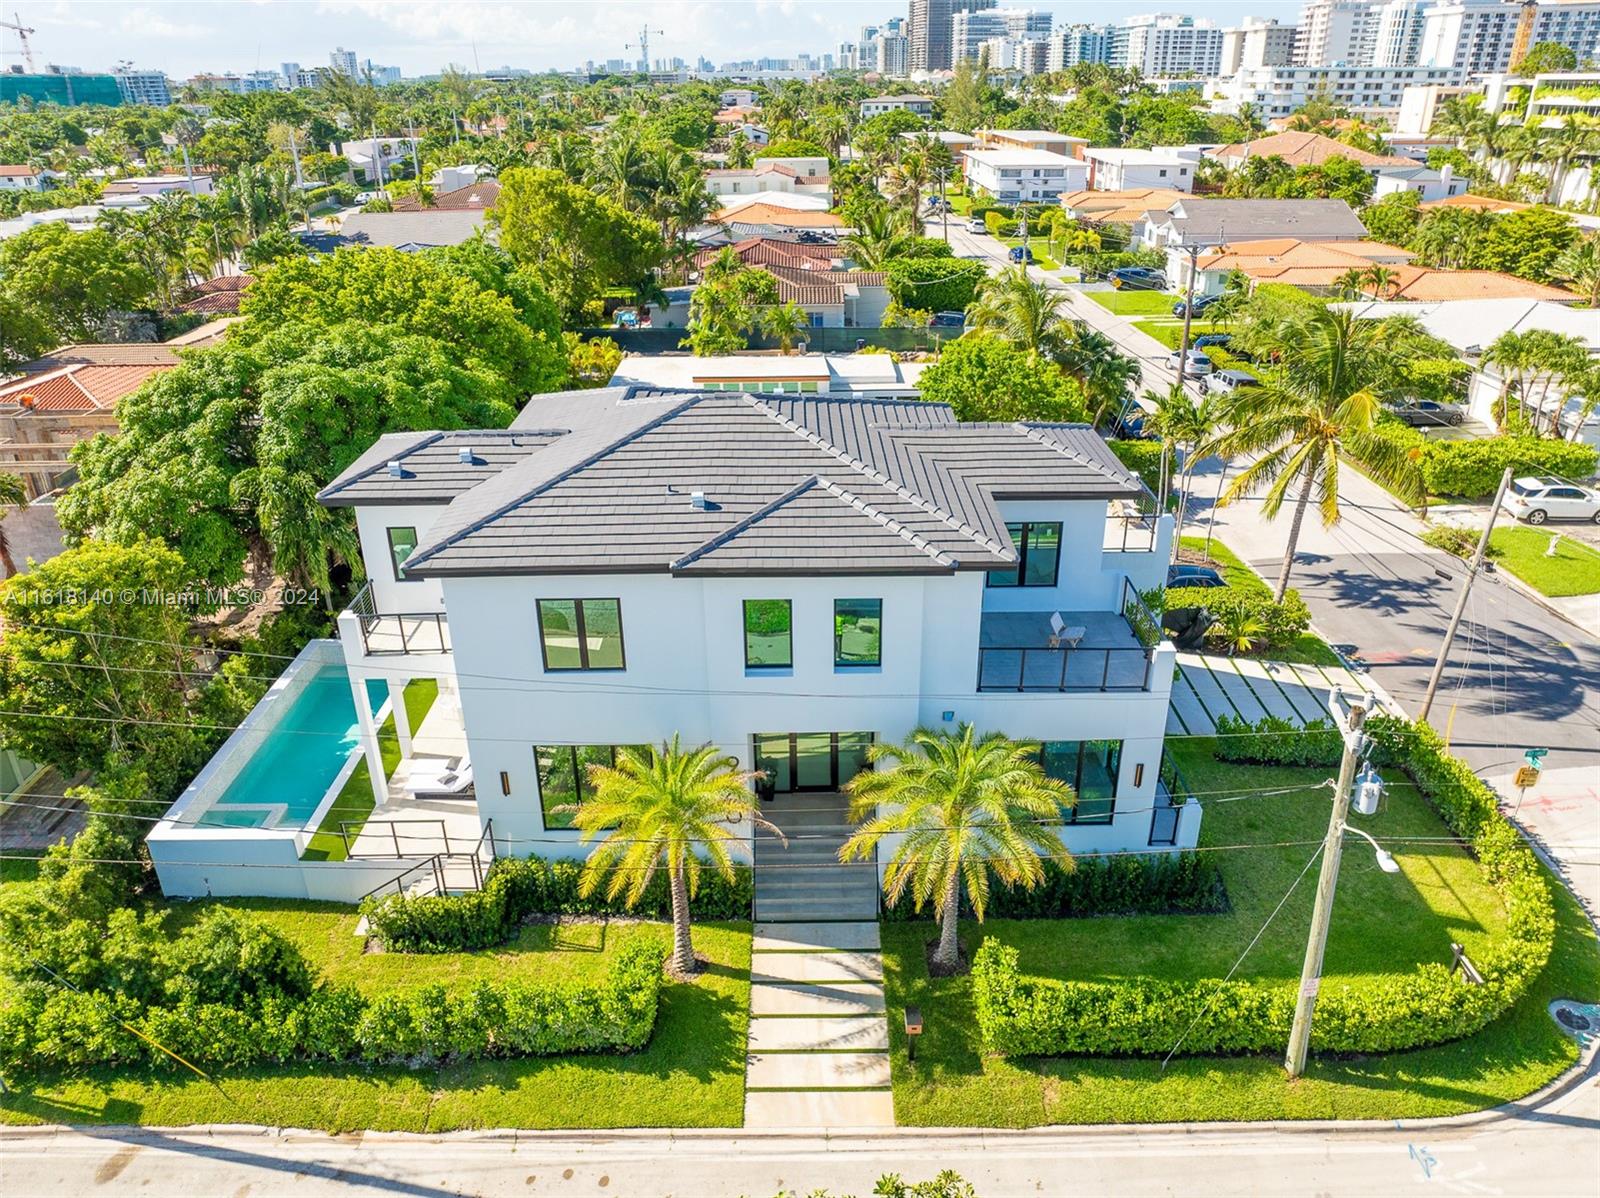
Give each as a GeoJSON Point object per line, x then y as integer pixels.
{"type": "Point", "coordinates": [1224, 382]}
{"type": "Point", "coordinates": [1539, 499]}
{"type": "Point", "coordinates": [1427, 414]}
{"type": "Point", "coordinates": [976, 225]}
{"type": "Point", "coordinates": [1200, 304]}
{"type": "Point", "coordinates": [1137, 278]}
{"type": "Point", "coordinates": [1194, 576]}
{"type": "Point", "coordinates": [1198, 366]}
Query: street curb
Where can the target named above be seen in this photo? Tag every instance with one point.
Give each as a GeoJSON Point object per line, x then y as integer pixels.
{"type": "Point", "coordinates": [1586, 1069]}
{"type": "Point", "coordinates": [1543, 600]}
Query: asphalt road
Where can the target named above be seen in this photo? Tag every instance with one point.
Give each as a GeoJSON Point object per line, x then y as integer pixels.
{"type": "Point", "coordinates": [1549, 1147]}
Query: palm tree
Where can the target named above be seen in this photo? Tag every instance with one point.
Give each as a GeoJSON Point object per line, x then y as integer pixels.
{"type": "Point", "coordinates": [1025, 313]}
{"type": "Point", "coordinates": [668, 807]}
{"type": "Point", "coordinates": [1184, 423]}
{"type": "Point", "coordinates": [787, 322]}
{"type": "Point", "coordinates": [1321, 400]}
{"type": "Point", "coordinates": [13, 493]}
{"type": "Point", "coordinates": [1579, 266]}
{"type": "Point", "coordinates": [882, 235]}
{"type": "Point", "coordinates": [620, 169]}
{"type": "Point", "coordinates": [1351, 284]}
{"type": "Point", "coordinates": [1575, 138]}
{"type": "Point", "coordinates": [963, 807]}
{"type": "Point", "coordinates": [1106, 374]}
{"type": "Point", "coordinates": [1380, 278]}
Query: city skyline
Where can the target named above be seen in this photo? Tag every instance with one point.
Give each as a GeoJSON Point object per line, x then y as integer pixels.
{"type": "Point", "coordinates": [184, 38]}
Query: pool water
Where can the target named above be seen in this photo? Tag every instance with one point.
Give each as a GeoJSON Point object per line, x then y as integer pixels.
{"type": "Point", "coordinates": [300, 756]}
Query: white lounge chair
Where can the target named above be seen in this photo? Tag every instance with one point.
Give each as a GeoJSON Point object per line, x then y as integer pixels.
{"type": "Point", "coordinates": [438, 777]}
{"type": "Point", "coordinates": [1063, 635]}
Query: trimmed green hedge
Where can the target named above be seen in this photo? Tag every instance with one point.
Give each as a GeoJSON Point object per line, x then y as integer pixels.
{"type": "Point", "coordinates": [1471, 469]}
{"type": "Point", "coordinates": [1027, 1016]}
{"type": "Point", "coordinates": [48, 1027]}
{"type": "Point", "coordinates": [1281, 623]}
{"type": "Point", "coordinates": [1272, 741]}
{"type": "Point", "coordinates": [1180, 884]}
{"type": "Point", "coordinates": [518, 887]}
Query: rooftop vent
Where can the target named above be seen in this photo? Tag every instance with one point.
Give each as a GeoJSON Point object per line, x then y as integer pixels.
{"type": "Point", "coordinates": [698, 500]}
{"type": "Point", "coordinates": [465, 456]}
{"type": "Point", "coordinates": [396, 470]}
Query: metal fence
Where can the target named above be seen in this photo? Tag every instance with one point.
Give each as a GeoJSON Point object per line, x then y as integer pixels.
{"type": "Point", "coordinates": [1172, 793]}
{"type": "Point", "coordinates": [384, 633]}
{"type": "Point", "coordinates": [1043, 669]}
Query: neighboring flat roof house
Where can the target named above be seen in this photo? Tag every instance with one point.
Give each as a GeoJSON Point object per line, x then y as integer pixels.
{"type": "Point", "coordinates": [1123, 170]}
{"type": "Point", "coordinates": [921, 105]}
{"type": "Point", "coordinates": [426, 228]}
{"type": "Point", "coordinates": [1014, 176]}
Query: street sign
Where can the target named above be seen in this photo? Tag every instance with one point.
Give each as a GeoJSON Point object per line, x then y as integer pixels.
{"type": "Point", "coordinates": [1534, 757]}
{"type": "Point", "coordinates": [1527, 775]}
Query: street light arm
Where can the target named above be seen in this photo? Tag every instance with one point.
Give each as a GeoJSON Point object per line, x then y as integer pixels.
{"type": "Point", "coordinates": [1386, 861]}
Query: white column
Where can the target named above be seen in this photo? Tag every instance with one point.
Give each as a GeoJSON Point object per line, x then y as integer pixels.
{"type": "Point", "coordinates": [369, 742]}
{"type": "Point", "coordinates": [402, 717]}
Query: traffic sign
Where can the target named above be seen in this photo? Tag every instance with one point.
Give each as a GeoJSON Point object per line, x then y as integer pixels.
{"type": "Point", "coordinates": [1526, 776]}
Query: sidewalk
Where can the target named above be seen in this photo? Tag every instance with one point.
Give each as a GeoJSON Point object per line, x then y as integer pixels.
{"type": "Point", "coordinates": [1561, 815]}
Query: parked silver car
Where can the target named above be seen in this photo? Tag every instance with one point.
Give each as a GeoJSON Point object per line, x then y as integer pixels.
{"type": "Point", "coordinates": [1539, 499]}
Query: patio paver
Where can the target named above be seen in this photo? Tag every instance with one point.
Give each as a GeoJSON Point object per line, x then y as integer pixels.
{"type": "Point", "coordinates": [809, 937]}
{"type": "Point", "coordinates": [816, 967]}
{"type": "Point", "coordinates": [817, 1070]}
{"type": "Point", "coordinates": [1265, 689]}
{"type": "Point", "coordinates": [819, 1108]}
{"type": "Point", "coordinates": [842, 1033]}
{"type": "Point", "coordinates": [795, 998]}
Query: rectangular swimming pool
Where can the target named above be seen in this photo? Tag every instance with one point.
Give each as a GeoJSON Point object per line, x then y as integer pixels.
{"type": "Point", "coordinates": [298, 757]}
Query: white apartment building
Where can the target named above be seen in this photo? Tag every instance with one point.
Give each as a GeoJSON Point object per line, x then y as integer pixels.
{"type": "Point", "coordinates": [1069, 46]}
{"type": "Point", "coordinates": [772, 573]}
{"type": "Point", "coordinates": [876, 105]}
{"type": "Point", "coordinates": [1132, 170]}
{"type": "Point", "coordinates": [1168, 44]}
{"type": "Point", "coordinates": [1549, 101]}
{"type": "Point", "coordinates": [145, 87]}
{"type": "Point", "coordinates": [969, 30]}
{"type": "Point", "coordinates": [1283, 91]}
{"type": "Point", "coordinates": [1336, 31]}
{"type": "Point", "coordinates": [775, 176]}
{"type": "Point", "coordinates": [1477, 36]}
{"type": "Point", "coordinates": [1256, 43]}
{"type": "Point", "coordinates": [1024, 176]}
{"type": "Point", "coordinates": [1397, 40]}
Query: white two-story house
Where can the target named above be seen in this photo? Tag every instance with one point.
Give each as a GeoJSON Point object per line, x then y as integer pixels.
{"type": "Point", "coordinates": [787, 576]}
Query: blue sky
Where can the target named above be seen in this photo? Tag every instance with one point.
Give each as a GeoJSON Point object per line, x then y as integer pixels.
{"type": "Point", "coordinates": [421, 36]}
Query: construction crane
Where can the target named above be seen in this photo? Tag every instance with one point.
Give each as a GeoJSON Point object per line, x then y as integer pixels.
{"type": "Point", "coordinates": [22, 37]}
{"type": "Point", "coordinates": [1521, 43]}
{"type": "Point", "coordinates": [643, 46]}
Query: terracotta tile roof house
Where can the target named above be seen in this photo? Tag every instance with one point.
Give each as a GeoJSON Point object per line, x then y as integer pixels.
{"type": "Point", "coordinates": [475, 197]}
{"type": "Point", "coordinates": [1476, 203]}
{"type": "Point", "coordinates": [17, 172]}
{"type": "Point", "coordinates": [763, 251]}
{"type": "Point", "coordinates": [771, 214]}
{"type": "Point", "coordinates": [219, 296]}
{"type": "Point", "coordinates": [1421, 284]}
{"type": "Point", "coordinates": [1118, 207]}
{"type": "Point", "coordinates": [1303, 149]}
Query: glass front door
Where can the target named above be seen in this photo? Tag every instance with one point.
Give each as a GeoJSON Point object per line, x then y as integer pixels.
{"type": "Point", "coordinates": [802, 761]}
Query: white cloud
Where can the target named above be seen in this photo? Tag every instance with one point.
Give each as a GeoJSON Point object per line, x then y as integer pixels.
{"type": "Point", "coordinates": [145, 22]}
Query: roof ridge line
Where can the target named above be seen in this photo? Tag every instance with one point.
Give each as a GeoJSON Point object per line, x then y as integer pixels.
{"type": "Point", "coordinates": [739, 526]}
{"type": "Point", "coordinates": [885, 519]}
{"type": "Point", "coordinates": [431, 437]}
{"type": "Point", "coordinates": [418, 559]}
{"type": "Point", "coordinates": [876, 476]}
{"type": "Point", "coordinates": [1033, 433]}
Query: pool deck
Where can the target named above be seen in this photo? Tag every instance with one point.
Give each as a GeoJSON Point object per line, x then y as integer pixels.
{"type": "Point", "coordinates": [430, 825]}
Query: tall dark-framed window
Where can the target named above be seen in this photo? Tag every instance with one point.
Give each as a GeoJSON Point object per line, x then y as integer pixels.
{"type": "Point", "coordinates": [564, 777]}
{"type": "Point", "coordinates": [581, 634]}
{"type": "Point", "coordinates": [1038, 545]}
{"type": "Point", "coordinates": [402, 544]}
{"type": "Point", "coordinates": [858, 632]}
{"type": "Point", "coordinates": [1090, 768]}
{"type": "Point", "coordinates": [768, 634]}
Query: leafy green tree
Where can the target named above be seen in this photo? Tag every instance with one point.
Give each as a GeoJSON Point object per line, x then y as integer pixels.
{"type": "Point", "coordinates": [96, 661]}
{"type": "Point", "coordinates": [673, 808]}
{"type": "Point", "coordinates": [963, 807]}
{"type": "Point", "coordinates": [982, 377]}
{"type": "Point", "coordinates": [432, 296]}
{"type": "Point", "coordinates": [1322, 400]}
{"type": "Point", "coordinates": [1544, 57]}
{"type": "Point", "coordinates": [728, 306]}
{"type": "Point", "coordinates": [1394, 218]}
{"type": "Point", "coordinates": [577, 243]}
{"type": "Point", "coordinates": [1526, 243]}
{"type": "Point", "coordinates": [935, 284]}
{"type": "Point", "coordinates": [13, 493]}
{"type": "Point", "coordinates": [223, 455]}
{"type": "Point", "coordinates": [1579, 268]}
{"type": "Point", "coordinates": [74, 278]}
{"type": "Point", "coordinates": [791, 147]}
{"type": "Point", "coordinates": [25, 331]}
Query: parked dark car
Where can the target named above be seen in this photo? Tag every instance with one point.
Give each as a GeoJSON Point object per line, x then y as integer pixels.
{"type": "Point", "coordinates": [1131, 427]}
{"type": "Point", "coordinates": [947, 320]}
{"type": "Point", "coordinates": [1020, 253]}
{"type": "Point", "coordinates": [1137, 278]}
{"type": "Point", "coordinates": [1427, 414]}
{"type": "Point", "coordinates": [1199, 305]}
{"type": "Point", "coordinates": [1194, 576]}
{"type": "Point", "coordinates": [1206, 340]}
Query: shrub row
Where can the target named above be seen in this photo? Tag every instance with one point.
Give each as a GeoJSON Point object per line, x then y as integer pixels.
{"type": "Point", "coordinates": [1471, 469]}
{"type": "Point", "coordinates": [1027, 1016]}
{"type": "Point", "coordinates": [518, 887]}
{"type": "Point", "coordinates": [48, 1027]}
{"type": "Point", "coordinates": [1273, 741]}
{"type": "Point", "coordinates": [1181, 884]}
{"type": "Point", "coordinates": [1281, 623]}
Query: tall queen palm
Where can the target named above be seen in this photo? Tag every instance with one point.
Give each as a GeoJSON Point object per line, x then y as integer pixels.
{"type": "Point", "coordinates": [673, 808]}
{"type": "Point", "coordinates": [1321, 400]}
{"type": "Point", "coordinates": [963, 807]}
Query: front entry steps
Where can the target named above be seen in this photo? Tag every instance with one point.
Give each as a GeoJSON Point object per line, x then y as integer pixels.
{"type": "Point", "coordinates": [818, 1051]}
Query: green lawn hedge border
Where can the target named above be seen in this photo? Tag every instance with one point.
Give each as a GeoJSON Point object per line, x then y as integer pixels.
{"type": "Point", "coordinates": [1272, 741]}
{"type": "Point", "coordinates": [518, 887]}
{"type": "Point", "coordinates": [1282, 624]}
{"type": "Point", "coordinates": [49, 1027]}
{"type": "Point", "coordinates": [1471, 468]}
{"type": "Point", "coordinates": [1026, 1016]}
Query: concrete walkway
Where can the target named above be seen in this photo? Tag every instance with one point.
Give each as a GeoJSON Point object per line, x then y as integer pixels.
{"type": "Point", "coordinates": [1210, 685]}
{"type": "Point", "coordinates": [818, 1050]}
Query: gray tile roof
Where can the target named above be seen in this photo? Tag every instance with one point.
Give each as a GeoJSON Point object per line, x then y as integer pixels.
{"type": "Point", "coordinates": [800, 484]}
{"type": "Point", "coordinates": [1219, 221]}
{"type": "Point", "coordinates": [431, 466]}
{"type": "Point", "coordinates": [429, 227]}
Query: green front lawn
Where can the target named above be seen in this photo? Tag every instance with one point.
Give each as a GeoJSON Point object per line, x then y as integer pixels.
{"type": "Point", "coordinates": [1382, 923]}
{"type": "Point", "coordinates": [354, 802]}
{"type": "Point", "coordinates": [691, 1074]}
{"type": "Point", "coordinates": [1135, 303]}
{"type": "Point", "coordinates": [1574, 570]}
{"type": "Point", "coordinates": [1040, 259]}
{"type": "Point", "coordinates": [1170, 332]}
{"type": "Point", "coordinates": [1308, 650]}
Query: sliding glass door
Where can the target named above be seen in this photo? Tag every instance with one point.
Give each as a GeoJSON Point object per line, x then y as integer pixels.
{"type": "Point", "coordinates": [811, 761]}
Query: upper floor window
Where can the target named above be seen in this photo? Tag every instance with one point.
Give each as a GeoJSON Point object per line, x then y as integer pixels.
{"type": "Point", "coordinates": [858, 632]}
{"type": "Point", "coordinates": [768, 634]}
{"type": "Point", "coordinates": [1038, 547]}
{"type": "Point", "coordinates": [402, 544]}
{"type": "Point", "coordinates": [581, 634]}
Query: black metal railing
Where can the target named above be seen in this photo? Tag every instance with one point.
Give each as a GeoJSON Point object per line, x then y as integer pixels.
{"type": "Point", "coordinates": [441, 873]}
{"type": "Point", "coordinates": [398, 830]}
{"type": "Point", "coordinates": [1141, 618]}
{"type": "Point", "coordinates": [1002, 668]}
{"type": "Point", "coordinates": [1172, 794]}
{"type": "Point", "coordinates": [396, 633]}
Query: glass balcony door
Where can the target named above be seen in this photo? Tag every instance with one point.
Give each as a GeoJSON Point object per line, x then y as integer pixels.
{"type": "Point", "coordinates": [811, 761]}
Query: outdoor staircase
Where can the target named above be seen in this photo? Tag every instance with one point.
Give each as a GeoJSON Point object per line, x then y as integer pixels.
{"type": "Point", "coordinates": [818, 1051]}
